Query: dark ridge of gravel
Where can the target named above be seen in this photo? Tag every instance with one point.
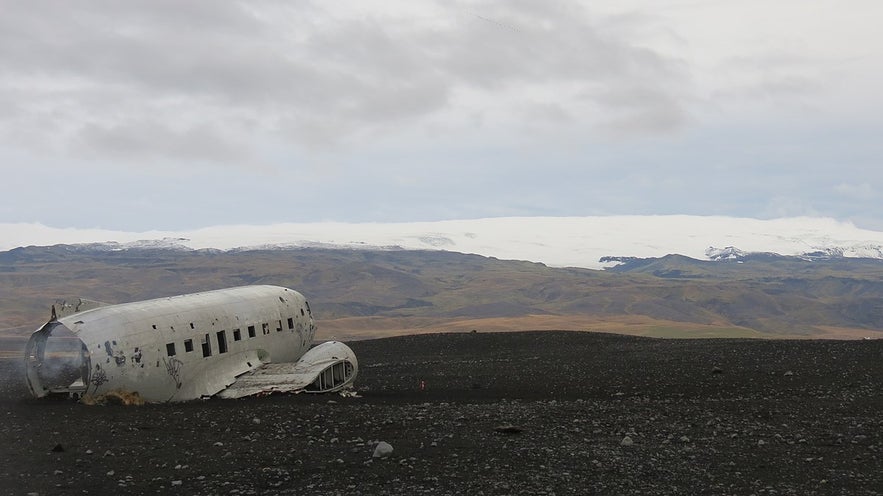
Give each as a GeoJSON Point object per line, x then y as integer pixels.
{"type": "Point", "coordinates": [507, 413]}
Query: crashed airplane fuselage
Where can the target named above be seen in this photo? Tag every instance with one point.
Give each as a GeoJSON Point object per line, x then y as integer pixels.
{"type": "Point", "coordinates": [229, 343]}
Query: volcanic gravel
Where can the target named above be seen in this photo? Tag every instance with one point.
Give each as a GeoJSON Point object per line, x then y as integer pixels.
{"type": "Point", "coordinates": [478, 413]}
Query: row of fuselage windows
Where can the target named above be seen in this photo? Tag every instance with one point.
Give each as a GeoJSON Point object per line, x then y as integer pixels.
{"type": "Point", "coordinates": [205, 340]}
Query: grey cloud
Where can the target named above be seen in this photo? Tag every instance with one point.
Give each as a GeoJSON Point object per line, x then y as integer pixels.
{"type": "Point", "coordinates": [547, 113]}
{"type": "Point", "coordinates": [778, 76]}
{"type": "Point", "coordinates": [556, 43]}
{"type": "Point", "coordinates": [640, 110]}
{"type": "Point", "coordinates": [119, 76]}
{"type": "Point", "coordinates": [149, 139]}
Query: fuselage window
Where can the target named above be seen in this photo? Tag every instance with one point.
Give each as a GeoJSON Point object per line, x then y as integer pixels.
{"type": "Point", "coordinates": [290, 323]}
{"type": "Point", "coordinates": [279, 327]}
{"type": "Point", "coordinates": [237, 336]}
{"type": "Point", "coordinates": [188, 345]}
{"type": "Point", "coordinates": [206, 346]}
{"type": "Point", "coordinates": [222, 342]}
{"type": "Point", "coordinates": [265, 327]}
{"type": "Point", "coordinates": [251, 332]}
{"type": "Point", "coordinates": [170, 349]}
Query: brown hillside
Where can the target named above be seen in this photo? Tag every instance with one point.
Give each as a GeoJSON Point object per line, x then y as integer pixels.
{"type": "Point", "coordinates": [375, 293]}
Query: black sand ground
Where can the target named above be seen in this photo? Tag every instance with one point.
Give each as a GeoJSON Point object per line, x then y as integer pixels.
{"type": "Point", "coordinates": [702, 417]}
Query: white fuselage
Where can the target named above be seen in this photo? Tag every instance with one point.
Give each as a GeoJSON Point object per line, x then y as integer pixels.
{"type": "Point", "coordinates": [190, 346]}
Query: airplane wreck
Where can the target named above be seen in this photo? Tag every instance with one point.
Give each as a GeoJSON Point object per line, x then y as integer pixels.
{"type": "Point", "coordinates": [228, 343]}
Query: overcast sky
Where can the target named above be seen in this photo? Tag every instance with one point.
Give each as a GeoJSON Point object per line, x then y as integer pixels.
{"type": "Point", "coordinates": [171, 114]}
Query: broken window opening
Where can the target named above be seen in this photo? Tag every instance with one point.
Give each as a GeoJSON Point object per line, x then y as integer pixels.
{"type": "Point", "coordinates": [188, 345]}
{"type": "Point", "coordinates": [290, 323]}
{"type": "Point", "coordinates": [206, 346]}
{"type": "Point", "coordinates": [279, 327]}
{"type": "Point", "coordinates": [191, 326]}
{"type": "Point", "coordinates": [265, 328]}
{"type": "Point", "coordinates": [237, 336]}
{"type": "Point", "coordinates": [154, 327]}
{"type": "Point", "coordinates": [170, 349]}
{"type": "Point", "coordinates": [222, 342]}
{"type": "Point", "coordinates": [251, 332]}
{"type": "Point", "coordinates": [301, 312]}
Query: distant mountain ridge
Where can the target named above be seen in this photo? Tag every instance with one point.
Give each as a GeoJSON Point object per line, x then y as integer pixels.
{"type": "Point", "coordinates": [586, 242]}
{"type": "Point", "coordinates": [358, 292]}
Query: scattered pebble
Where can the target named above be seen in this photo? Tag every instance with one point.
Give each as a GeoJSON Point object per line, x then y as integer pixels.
{"type": "Point", "coordinates": [382, 450]}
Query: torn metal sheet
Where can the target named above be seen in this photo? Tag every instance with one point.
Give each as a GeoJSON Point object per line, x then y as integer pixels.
{"type": "Point", "coordinates": [327, 368]}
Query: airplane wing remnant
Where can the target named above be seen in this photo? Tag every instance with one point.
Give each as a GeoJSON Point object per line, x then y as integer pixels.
{"type": "Point", "coordinates": [327, 368]}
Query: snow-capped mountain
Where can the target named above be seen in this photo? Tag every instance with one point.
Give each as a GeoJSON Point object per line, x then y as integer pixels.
{"type": "Point", "coordinates": [728, 253]}
{"type": "Point", "coordinates": [555, 241]}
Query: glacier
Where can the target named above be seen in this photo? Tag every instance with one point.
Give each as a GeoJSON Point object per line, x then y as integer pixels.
{"type": "Point", "coordinates": [554, 241]}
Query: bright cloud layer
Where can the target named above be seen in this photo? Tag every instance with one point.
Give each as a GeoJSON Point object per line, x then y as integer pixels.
{"type": "Point", "coordinates": [175, 115]}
